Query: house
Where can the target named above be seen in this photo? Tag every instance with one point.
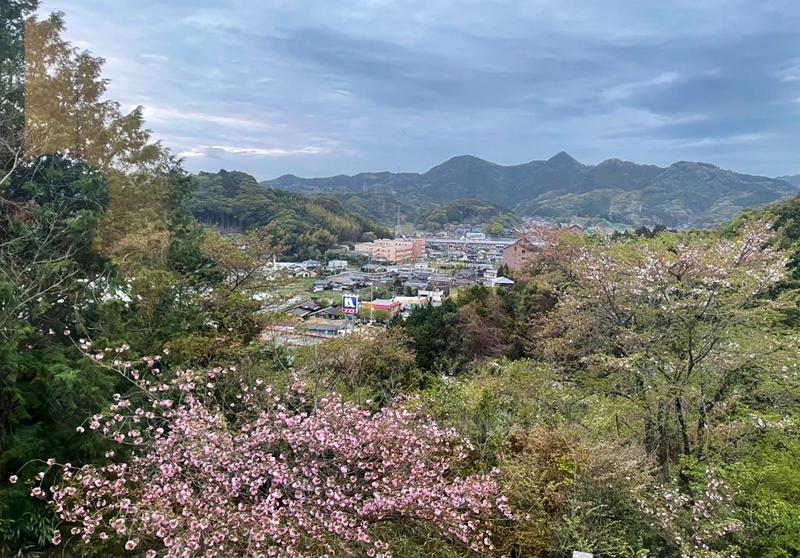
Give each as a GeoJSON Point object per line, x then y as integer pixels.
{"type": "Point", "coordinates": [337, 265]}
{"type": "Point", "coordinates": [435, 297]}
{"type": "Point", "coordinates": [502, 282]}
{"type": "Point", "coordinates": [305, 309]}
{"type": "Point", "coordinates": [519, 255]}
{"type": "Point", "coordinates": [329, 313]}
{"type": "Point", "coordinates": [415, 284]}
{"type": "Point", "coordinates": [321, 285]}
{"type": "Point", "coordinates": [327, 328]}
{"type": "Point", "coordinates": [310, 264]}
{"type": "Point", "coordinates": [440, 280]}
{"type": "Point", "coordinates": [373, 268]}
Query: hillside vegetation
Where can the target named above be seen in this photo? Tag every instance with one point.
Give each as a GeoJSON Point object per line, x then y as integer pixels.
{"type": "Point", "coordinates": [561, 189]}
{"type": "Point", "coordinates": [467, 212]}
{"type": "Point", "coordinates": [305, 226]}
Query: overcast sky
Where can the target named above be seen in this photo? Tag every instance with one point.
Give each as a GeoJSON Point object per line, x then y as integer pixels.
{"type": "Point", "coordinates": [326, 87]}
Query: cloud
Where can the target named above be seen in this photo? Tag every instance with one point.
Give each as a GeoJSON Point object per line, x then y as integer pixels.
{"type": "Point", "coordinates": [627, 90]}
{"type": "Point", "coordinates": [166, 114]}
{"type": "Point", "coordinates": [321, 88]}
{"type": "Point", "coordinates": [212, 150]}
{"type": "Point", "coordinates": [157, 57]}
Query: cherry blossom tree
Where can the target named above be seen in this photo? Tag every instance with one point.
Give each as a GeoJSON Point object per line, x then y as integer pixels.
{"type": "Point", "coordinates": [697, 525]}
{"type": "Point", "coordinates": [661, 324]}
{"type": "Point", "coordinates": [254, 471]}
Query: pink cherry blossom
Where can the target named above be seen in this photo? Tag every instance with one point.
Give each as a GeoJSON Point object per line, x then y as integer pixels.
{"type": "Point", "coordinates": [284, 474]}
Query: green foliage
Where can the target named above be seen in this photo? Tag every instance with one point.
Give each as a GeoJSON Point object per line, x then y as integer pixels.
{"type": "Point", "coordinates": [430, 329]}
{"type": "Point", "coordinates": [768, 495]}
{"type": "Point", "coordinates": [375, 368]}
{"type": "Point", "coordinates": [305, 227]}
{"type": "Point", "coordinates": [468, 212]}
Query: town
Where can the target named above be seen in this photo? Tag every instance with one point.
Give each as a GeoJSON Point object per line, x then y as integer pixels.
{"type": "Point", "coordinates": [388, 278]}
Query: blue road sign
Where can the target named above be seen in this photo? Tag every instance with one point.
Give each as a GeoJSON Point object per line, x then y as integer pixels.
{"type": "Point", "coordinates": [349, 303]}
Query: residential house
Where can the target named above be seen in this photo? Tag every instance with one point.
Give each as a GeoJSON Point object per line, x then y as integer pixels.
{"type": "Point", "coordinates": [327, 328]}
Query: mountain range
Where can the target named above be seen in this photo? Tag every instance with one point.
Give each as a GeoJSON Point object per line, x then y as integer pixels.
{"type": "Point", "coordinates": [559, 188]}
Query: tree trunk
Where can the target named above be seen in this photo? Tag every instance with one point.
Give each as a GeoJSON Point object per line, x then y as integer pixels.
{"type": "Point", "coordinates": [680, 412]}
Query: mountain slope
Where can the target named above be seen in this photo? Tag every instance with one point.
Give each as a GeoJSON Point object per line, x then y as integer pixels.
{"type": "Point", "coordinates": [304, 225]}
{"type": "Point", "coordinates": [791, 179]}
{"type": "Point", "coordinates": [467, 212]}
{"type": "Point", "coordinates": [559, 188]}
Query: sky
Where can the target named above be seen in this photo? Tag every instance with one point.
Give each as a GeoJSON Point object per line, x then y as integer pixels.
{"type": "Point", "coordinates": [318, 88]}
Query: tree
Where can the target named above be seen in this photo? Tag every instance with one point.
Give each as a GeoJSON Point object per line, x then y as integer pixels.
{"type": "Point", "coordinates": [658, 324]}
{"type": "Point", "coordinates": [433, 333]}
{"type": "Point", "coordinates": [13, 15]}
{"type": "Point", "coordinates": [93, 238]}
{"type": "Point", "coordinates": [377, 367]}
{"type": "Point", "coordinates": [268, 473]}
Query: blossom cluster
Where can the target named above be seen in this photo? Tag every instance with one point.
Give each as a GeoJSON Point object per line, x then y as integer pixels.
{"type": "Point", "coordinates": [270, 473]}
{"type": "Point", "coordinates": [698, 524]}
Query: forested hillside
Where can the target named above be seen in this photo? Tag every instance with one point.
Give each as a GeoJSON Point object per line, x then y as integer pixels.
{"type": "Point", "coordinates": [467, 212]}
{"type": "Point", "coordinates": [304, 226]}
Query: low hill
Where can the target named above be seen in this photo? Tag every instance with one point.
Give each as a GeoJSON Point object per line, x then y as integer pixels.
{"type": "Point", "coordinates": [467, 212]}
{"type": "Point", "coordinates": [304, 225]}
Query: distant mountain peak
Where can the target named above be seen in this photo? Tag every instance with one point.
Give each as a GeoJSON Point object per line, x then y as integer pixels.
{"type": "Point", "coordinates": [563, 157]}
{"type": "Point", "coordinates": [614, 161]}
{"type": "Point", "coordinates": [465, 159]}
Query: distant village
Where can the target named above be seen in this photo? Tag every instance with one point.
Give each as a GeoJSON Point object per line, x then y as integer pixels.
{"type": "Point", "coordinates": [392, 277]}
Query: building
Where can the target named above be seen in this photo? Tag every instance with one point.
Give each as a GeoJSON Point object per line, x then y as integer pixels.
{"type": "Point", "coordinates": [409, 302]}
{"type": "Point", "coordinates": [386, 305]}
{"type": "Point", "coordinates": [337, 265]}
{"type": "Point", "coordinates": [373, 268]}
{"type": "Point", "coordinates": [326, 328]}
{"type": "Point", "coordinates": [305, 309]}
{"type": "Point", "coordinates": [502, 282]}
{"type": "Point", "coordinates": [435, 297]}
{"type": "Point", "coordinates": [418, 248]}
{"type": "Point", "coordinates": [363, 248]}
{"type": "Point", "coordinates": [398, 250]}
{"type": "Point", "coordinates": [519, 255]}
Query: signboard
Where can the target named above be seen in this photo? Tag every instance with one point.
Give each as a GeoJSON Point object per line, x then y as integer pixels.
{"type": "Point", "coordinates": [349, 303]}
{"type": "Point", "coordinates": [578, 554]}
